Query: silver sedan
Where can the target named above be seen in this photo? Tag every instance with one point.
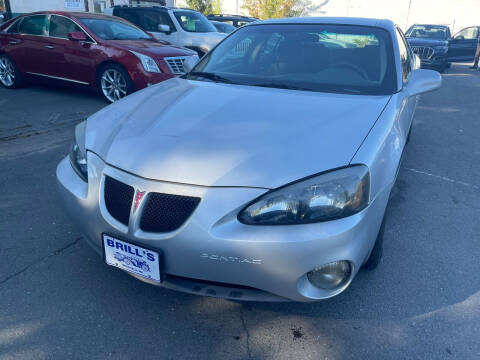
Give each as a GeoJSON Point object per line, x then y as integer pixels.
{"type": "Point", "coordinates": [264, 173]}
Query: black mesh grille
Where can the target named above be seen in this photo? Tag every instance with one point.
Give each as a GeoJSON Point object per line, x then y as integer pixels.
{"type": "Point", "coordinates": [118, 199]}
{"type": "Point", "coordinates": [166, 212]}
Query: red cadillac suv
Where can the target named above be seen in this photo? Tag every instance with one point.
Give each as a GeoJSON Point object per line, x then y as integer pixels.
{"type": "Point", "coordinates": [99, 51]}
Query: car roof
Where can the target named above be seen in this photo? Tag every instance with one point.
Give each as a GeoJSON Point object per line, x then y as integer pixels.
{"type": "Point", "coordinates": [71, 14]}
{"type": "Point", "coordinates": [381, 23]}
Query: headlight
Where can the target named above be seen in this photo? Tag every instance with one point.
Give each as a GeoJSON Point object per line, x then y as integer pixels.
{"type": "Point", "coordinates": [441, 49]}
{"type": "Point", "coordinates": [329, 196]}
{"type": "Point", "coordinates": [148, 63]}
{"type": "Point", "coordinates": [78, 154]}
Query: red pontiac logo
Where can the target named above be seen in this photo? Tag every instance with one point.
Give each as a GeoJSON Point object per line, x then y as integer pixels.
{"type": "Point", "coordinates": [138, 198]}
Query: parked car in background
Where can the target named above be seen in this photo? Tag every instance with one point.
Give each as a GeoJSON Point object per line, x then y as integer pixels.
{"type": "Point", "coordinates": [181, 27]}
{"type": "Point", "coordinates": [223, 27]}
{"type": "Point", "coordinates": [93, 50]}
{"type": "Point", "coordinates": [463, 45]}
{"type": "Point", "coordinates": [264, 173]}
{"type": "Point", "coordinates": [430, 43]}
{"type": "Point", "coordinates": [234, 20]}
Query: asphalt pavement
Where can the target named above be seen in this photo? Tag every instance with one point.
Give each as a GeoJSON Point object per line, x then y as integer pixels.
{"type": "Point", "coordinates": [58, 300]}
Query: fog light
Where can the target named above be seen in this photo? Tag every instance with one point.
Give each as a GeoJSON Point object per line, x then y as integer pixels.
{"type": "Point", "coordinates": [331, 276]}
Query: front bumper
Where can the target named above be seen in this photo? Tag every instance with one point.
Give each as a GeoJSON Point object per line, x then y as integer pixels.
{"type": "Point", "coordinates": [141, 79]}
{"type": "Point", "coordinates": [215, 255]}
{"type": "Point", "coordinates": [436, 60]}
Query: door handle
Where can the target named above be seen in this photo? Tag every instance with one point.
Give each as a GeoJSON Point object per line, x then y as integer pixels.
{"type": "Point", "coordinates": [13, 42]}
{"type": "Point", "coordinates": [50, 47]}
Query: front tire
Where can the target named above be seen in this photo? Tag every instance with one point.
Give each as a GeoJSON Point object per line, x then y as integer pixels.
{"type": "Point", "coordinates": [10, 76]}
{"type": "Point", "coordinates": [114, 83]}
{"type": "Point", "coordinates": [377, 251]}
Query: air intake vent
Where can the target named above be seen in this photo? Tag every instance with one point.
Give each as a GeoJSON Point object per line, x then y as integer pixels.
{"type": "Point", "coordinates": [176, 64]}
{"type": "Point", "coordinates": [166, 212]}
{"type": "Point", "coordinates": [118, 199]}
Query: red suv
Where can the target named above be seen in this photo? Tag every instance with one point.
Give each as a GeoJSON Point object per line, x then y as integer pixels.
{"type": "Point", "coordinates": [99, 51]}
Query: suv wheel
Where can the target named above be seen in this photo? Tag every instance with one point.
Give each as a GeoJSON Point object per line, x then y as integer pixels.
{"type": "Point", "coordinates": [9, 75]}
{"type": "Point", "coordinates": [114, 82]}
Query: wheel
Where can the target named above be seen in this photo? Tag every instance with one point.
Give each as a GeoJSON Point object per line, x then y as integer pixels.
{"type": "Point", "coordinates": [377, 251]}
{"type": "Point", "coordinates": [10, 77]}
{"type": "Point", "coordinates": [114, 83]}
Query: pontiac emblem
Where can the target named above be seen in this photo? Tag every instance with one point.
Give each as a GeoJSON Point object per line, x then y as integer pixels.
{"type": "Point", "coordinates": [138, 198]}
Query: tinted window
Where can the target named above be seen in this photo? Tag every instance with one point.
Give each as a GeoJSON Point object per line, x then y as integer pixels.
{"type": "Point", "coordinates": [114, 30]}
{"type": "Point", "coordinates": [327, 58]}
{"type": "Point", "coordinates": [194, 22]}
{"type": "Point", "coordinates": [15, 27]}
{"type": "Point", "coordinates": [131, 15]}
{"type": "Point", "coordinates": [404, 56]}
{"type": "Point", "coordinates": [61, 26]}
{"type": "Point", "coordinates": [151, 20]}
{"type": "Point", "coordinates": [468, 34]}
{"type": "Point", "coordinates": [34, 25]}
{"type": "Point", "coordinates": [428, 32]}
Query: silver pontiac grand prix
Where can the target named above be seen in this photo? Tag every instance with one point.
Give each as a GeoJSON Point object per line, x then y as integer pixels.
{"type": "Point", "coordinates": [263, 173]}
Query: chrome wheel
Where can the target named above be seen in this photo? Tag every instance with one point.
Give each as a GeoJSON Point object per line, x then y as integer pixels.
{"type": "Point", "coordinates": [114, 85]}
{"type": "Point", "coordinates": [7, 72]}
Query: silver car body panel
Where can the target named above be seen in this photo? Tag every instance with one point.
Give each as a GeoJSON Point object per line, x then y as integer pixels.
{"type": "Point", "coordinates": [228, 145]}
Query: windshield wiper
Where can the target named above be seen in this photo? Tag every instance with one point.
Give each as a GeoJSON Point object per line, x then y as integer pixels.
{"type": "Point", "coordinates": [282, 86]}
{"type": "Point", "coordinates": [210, 76]}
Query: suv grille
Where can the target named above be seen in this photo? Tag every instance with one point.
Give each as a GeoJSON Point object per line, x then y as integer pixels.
{"type": "Point", "coordinates": [424, 52]}
{"type": "Point", "coordinates": [118, 199]}
{"type": "Point", "coordinates": [176, 64]}
{"type": "Point", "coordinates": [166, 212]}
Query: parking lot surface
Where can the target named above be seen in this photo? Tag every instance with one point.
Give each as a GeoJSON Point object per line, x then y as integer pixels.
{"type": "Point", "coordinates": [59, 300]}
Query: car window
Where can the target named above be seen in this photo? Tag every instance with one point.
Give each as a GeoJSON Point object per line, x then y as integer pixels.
{"type": "Point", "coordinates": [14, 28]}
{"type": "Point", "coordinates": [110, 29]}
{"type": "Point", "coordinates": [193, 21]}
{"type": "Point", "coordinates": [405, 56]}
{"type": "Point", "coordinates": [151, 20]}
{"type": "Point", "coordinates": [34, 25]}
{"type": "Point", "coordinates": [468, 33]}
{"type": "Point", "coordinates": [428, 32]}
{"type": "Point", "coordinates": [60, 27]}
{"type": "Point", "coordinates": [131, 15]}
{"type": "Point", "coordinates": [326, 58]}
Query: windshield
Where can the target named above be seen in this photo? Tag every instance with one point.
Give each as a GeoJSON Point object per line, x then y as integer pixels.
{"type": "Point", "coordinates": [108, 29]}
{"type": "Point", "coordinates": [327, 58]}
{"type": "Point", "coordinates": [427, 32]}
{"type": "Point", "coordinates": [192, 21]}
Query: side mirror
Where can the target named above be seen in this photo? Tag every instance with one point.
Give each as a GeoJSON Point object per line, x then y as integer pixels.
{"type": "Point", "coordinates": [164, 29]}
{"type": "Point", "coordinates": [423, 81]}
{"type": "Point", "coordinates": [190, 62]}
{"type": "Point", "coordinates": [77, 36]}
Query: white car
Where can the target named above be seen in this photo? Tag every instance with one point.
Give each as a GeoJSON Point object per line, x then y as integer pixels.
{"type": "Point", "coordinates": [264, 173]}
{"type": "Point", "coordinates": [180, 27]}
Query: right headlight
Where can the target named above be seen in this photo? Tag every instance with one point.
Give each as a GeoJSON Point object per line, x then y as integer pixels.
{"type": "Point", "coordinates": [149, 65]}
{"type": "Point", "coordinates": [333, 195]}
{"type": "Point", "coordinates": [78, 153]}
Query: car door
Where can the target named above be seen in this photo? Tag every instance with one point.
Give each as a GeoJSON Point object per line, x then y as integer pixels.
{"type": "Point", "coordinates": [463, 45]}
{"type": "Point", "coordinates": [31, 36]}
{"type": "Point", "coordinates": [71, 60]}
{"type": "Point", "coordinates": [13, 44]}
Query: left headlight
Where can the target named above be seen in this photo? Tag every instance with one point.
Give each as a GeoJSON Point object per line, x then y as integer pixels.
{"type": "Point", "coordinates": [333, 195]}
{"type": "Point", "coordinates": [78, 154]}
{"type": "Point", "coordinates": [147, 62]}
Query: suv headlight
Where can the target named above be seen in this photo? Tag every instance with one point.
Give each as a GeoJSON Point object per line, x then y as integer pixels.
{"type": "Point", "coordinates": [147, 62]}
{"type": "Point", "coordinates": [78, 153]}
{"type": "Point", "coordinates": [333, 195]}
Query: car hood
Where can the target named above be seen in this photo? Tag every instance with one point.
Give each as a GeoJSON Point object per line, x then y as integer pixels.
{"type": "Point", "coordinates": [426, 42]}
{"type": "Point", "coordinates": [151, 48]}
{"type": "Point", "coordinates": [212, 134]}
{"type": "Point", "coordinates": [203, 40]}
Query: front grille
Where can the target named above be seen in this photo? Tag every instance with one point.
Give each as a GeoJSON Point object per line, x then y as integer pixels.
{"type": "Point", "coordinates": [118, 199]}
{"type": "Point", "coordinates": [423, 52]}
{"type": "Point", "coordinates": [176, 64]}
{"type": "Point", "coordinates": [166, 212]}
